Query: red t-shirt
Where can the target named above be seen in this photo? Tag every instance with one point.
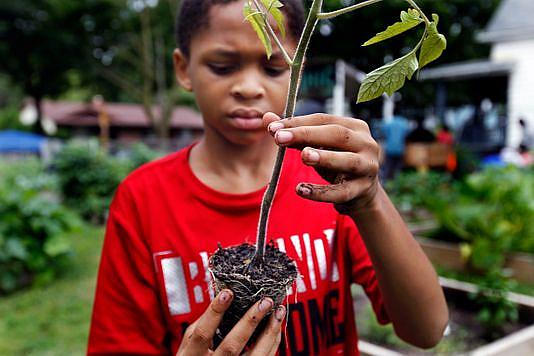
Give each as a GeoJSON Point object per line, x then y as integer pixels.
{"type": "Point", "coordinates": [163, 225]}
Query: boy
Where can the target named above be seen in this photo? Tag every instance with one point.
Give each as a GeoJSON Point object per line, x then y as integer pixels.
{"type": "Point", "coordinates": [153, 294]}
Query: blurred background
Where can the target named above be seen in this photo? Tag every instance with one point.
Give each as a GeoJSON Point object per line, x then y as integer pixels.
{"type": "Point", "coordinates": [87, 94]}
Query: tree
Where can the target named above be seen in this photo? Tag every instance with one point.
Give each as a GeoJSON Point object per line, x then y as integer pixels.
{"type": "Point", "coordinates": [142, 59]}
{"type": "Point", "coordinates": [43, 41]}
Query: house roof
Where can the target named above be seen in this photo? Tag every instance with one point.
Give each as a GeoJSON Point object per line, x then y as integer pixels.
{"type": "Point", "coordinates": [511, 21]}
{"type": "Point", "coordinates": [466, 70]}
{"type": "Point", "coordinates": [120, 114]}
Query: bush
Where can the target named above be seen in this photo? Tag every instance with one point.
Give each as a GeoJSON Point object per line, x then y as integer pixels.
{"type": "Point", "coordinates": [413, 190]}
{"type": "Point", "coordinates": [140, 154]}
{"type": "Point", "coordinates": [9, 119]}
{"type": "Point", "coordinates": [492, 212]}
{"type": "Point", "coordinates": [88, 178]}
{"type": "Point", "coordinates": [33, 224]}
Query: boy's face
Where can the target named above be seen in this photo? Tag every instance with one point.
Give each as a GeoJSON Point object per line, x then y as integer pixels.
{"type": "Point", "coordinates": [233, 82]}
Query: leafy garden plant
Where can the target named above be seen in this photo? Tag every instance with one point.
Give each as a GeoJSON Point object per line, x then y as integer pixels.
{"type": "Point", "coordinates": [253, 268]}
{"type": "Point", "coordinates": [34, 227]}
{"type": "Point", "coordinates": [386, 79]}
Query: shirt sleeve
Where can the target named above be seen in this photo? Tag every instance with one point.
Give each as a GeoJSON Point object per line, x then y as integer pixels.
{"type": "Point", "coordinates": [127, 317]}
{"type": "Point", "coordinates": [362, 270]}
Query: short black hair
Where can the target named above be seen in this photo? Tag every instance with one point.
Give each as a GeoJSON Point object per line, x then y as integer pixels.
{"type": "Point", "coordinates": [193, 14]}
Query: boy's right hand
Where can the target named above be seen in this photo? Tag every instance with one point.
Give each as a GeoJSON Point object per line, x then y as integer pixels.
{"type": "Point", "coordinates": [198, 338]}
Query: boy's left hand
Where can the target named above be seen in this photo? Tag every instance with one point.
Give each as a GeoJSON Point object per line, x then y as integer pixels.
{"type": "Point", "coordinates": [342, 151]}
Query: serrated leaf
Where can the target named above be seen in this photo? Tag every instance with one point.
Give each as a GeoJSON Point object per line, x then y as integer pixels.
{"type": "Point", "coordinates": [433, 45]}
{"type": "Point", "coordinates": [258, 24]}
{"type": "Point", "coordinates": [273, 7]}
{"type": "Point", "coordinates": [409, 20]}
{"type": "Point", "coordinates": [388, 78]}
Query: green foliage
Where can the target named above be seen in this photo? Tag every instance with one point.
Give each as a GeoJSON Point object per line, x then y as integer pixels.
{"type": "Point", "coordinates": [273, 8]}
{"type": "Point", "coordinates": [495, 308]}
{"type": "Point", "coordinates": [408, 21]}
{"type": "Point", "coordinates": [9, 119]}
{"type": "Point", "coordinates": [413, 190]}
{"type": "Point", "coordinates": [88, 178]}
{"type": "Point", "coordinates": [140, 154]}
{"type": "Point", "coordinates": [391, 76]}
{"type": "Point", "coordinates": [459, 20]}
{"type": "Point", "coordinates": [258, 20]}
{"type": "Point", "coordinates": [492, 212]}
{"type": "Point", "coordinates": [40, 41]}
{"type": "Point", "coordinates": [433, 45]}
{"type": "Point", "coordinates": [33, 226]}
{"type": "Point", "coordinates": [388, 78]}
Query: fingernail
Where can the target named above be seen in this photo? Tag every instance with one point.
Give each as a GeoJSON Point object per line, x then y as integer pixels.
{"type": "Point", "coordinates": [275, 126]}
{"type": "Point", "coordinates": [311, 155]}
{"type": "Point", "coordinates": [265, 304]}
{"type": "Point", "coordinates": [284, 136]}
{"type": "Point", "coordinates": [280, 313]}
{"type": "Point", "coordinates": [303, 190]}
{"type": "Point", "coordinates": [225, 296]}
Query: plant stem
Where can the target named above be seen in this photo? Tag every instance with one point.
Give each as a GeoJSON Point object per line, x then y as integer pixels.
{"type": "Point", "coordinates": [415, 6]}
{"type": "Point", "coordinates": [294, 80]}
{"type": "Point", "coordinates": [329, 15]}
{"type": "Point", "coordinates": [286, 56]}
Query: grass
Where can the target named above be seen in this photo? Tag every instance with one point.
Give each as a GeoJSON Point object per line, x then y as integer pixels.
{"type": "Point", "coordinates": [54, 319]}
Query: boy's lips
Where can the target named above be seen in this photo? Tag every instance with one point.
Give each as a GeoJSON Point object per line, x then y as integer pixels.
{"type": "Point", "coordinates": [247, 119]}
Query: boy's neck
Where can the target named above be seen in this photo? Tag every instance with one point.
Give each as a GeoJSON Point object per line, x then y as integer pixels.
{"type": "Point", "coordinates": [232, 168]}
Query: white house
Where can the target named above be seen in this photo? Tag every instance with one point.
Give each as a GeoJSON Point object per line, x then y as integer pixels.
{"type": "Point", "coordinates": [511, 34]}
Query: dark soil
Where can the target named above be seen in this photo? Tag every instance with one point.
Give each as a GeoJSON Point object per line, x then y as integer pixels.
{"type": "Point", "coordinates": [232, 268]}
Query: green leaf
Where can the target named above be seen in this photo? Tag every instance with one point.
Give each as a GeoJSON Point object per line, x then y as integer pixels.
{"type": "Point", "coordinates": [258, 24]}
{"type": "Point", "coordinates": [273, 7]}
{"type": "Point", "coordinates": [409, 20]}
{"type": "Point", "coordinates": [57, 245]}
{"type": "Point", "coordinates": [433, 45]}
{"type": "Point", "coordinates": [15, 248]}
{"type": "Point", "coordinates": [388, 78]}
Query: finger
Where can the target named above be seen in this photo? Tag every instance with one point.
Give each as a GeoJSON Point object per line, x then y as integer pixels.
{"type": "Point", "coordinates": [269, 340]}
{"type": "Point", "coordinates": [275, 123]}
{"type": "Point", "coordinates": [276, 345]}
{"type": "Point", "coordinates": [347, 162]}
{"type": "Point", "coordinates": [329, 136]}
{"type": "Point", "coordinates": [340, 193]}
{"type": "Point", "coordinates": [269, 118]}
{"type": "Point", "coordinates": [201, 337]}
{"type": "Point", "coordinates": [238, 337]}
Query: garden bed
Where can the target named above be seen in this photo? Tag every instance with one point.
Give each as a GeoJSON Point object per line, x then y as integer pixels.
{"type": "Point", "coordinates": [464, 336]}
{"type": "Point", "coordinates": [520, 266]}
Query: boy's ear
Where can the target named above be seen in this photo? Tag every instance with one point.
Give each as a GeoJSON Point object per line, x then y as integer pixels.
{"type": "Point", "coordinates": [180, 69]}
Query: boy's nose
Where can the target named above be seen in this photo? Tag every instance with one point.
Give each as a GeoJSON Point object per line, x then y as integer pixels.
{"type": "Point", "coordinates": [247, 88]}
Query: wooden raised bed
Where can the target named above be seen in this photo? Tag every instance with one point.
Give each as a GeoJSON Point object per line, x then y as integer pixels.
{"type": "Point", "coordinates": [519, 342]}
{"type": "Point", "coordinates": [447, 254]}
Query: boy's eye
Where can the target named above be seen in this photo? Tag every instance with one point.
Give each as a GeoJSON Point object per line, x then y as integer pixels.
{"type": "Point", "coordinates": [221, 69]}
{"type": "Point", "coordinates": [274, 71]}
